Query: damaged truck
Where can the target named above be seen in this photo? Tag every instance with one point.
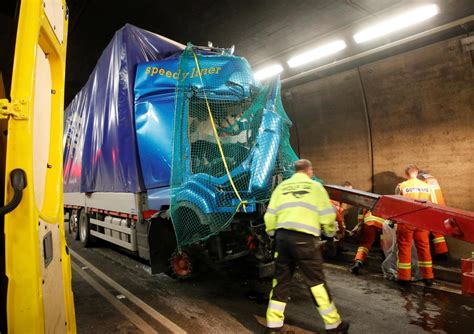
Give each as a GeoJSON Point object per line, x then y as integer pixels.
{"type": "Point", "coordinates": [172, 151]}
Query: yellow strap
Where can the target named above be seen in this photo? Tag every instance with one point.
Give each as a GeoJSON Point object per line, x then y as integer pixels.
{"type": "Point", "coordinates": [216, 135]}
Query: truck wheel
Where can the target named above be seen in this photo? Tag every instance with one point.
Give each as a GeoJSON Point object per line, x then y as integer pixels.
{"type": "Point", "coordinates": [74, 224]}
{"type": "Point", "coordinates": [181, 265]}
{"type": "Point", "coordinates": [84, 229]}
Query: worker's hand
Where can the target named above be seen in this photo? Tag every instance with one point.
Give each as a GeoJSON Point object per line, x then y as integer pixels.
{"type": "Point", "coordinates": [330, 249]}
{"type": "Point", "coordinates": [356, 230]}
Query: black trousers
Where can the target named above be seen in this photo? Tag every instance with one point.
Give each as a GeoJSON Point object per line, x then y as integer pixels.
{"type": "Point", "coordinates": [295, 249]}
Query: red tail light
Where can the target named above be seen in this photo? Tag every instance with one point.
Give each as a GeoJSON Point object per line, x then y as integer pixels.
{"type": "Point", "coordinates": [147, 214]}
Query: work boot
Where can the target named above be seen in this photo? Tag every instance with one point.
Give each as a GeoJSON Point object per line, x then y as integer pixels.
{"type": "Point", "coordinates": [273, 330]}
{"type": "Point", "coordinates": [404, 283]}
{"type": "Point", "coordinates": [342, 328]}
{"type": "Point", "coordinates": [279, 330]}
{"type": "Point", "coordinates": [428, 282]}
{"type": "Point", "coordinates": [356, 267]}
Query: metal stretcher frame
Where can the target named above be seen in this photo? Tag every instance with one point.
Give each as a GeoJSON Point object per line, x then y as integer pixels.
{"type": "Point", "coordinates": [424, 215]}
{"type": "Point", "coordinates": [39, 293]}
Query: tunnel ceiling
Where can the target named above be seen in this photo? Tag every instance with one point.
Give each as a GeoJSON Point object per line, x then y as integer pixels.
{"type": "Point", "coordinates": [260, 30]}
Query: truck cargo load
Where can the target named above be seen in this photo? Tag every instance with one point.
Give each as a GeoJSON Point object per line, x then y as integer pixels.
{"type": "Point", "coordinates": [99, 132]}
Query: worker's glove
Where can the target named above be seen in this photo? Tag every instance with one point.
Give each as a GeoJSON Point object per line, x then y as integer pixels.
{"type": "Point", "coordinates": [356, 230]}
{"type": "Point", "coordinates": [330, 249]}
{"type": "Point", "coordinates": [390, 223]}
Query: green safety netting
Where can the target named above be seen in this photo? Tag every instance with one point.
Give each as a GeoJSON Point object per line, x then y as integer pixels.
{"type": "Point", "coordinates": [231, 144]}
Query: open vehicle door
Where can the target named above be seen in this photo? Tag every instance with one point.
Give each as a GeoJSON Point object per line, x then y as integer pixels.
{"type": "Point", "coordinates": [37, 270]}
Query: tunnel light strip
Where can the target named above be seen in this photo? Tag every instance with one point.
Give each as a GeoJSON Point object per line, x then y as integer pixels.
{"type": "Point", "coordinates": [317, 53]}
{"type": "Point", "coordinates": [397, 23]}
{"type": "Point", "coordinates": [268, 71]}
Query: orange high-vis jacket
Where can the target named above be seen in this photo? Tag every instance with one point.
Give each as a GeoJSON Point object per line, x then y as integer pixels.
{"type": "Point", "coordinates": [436, 193]}
{"type": "Point", "coordinates": [339, 211]}
{"type": "Point", "coordinates": [415, 189]}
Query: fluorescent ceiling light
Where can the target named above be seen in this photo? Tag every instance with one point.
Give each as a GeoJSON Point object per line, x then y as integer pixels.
{"type": "Point", "coordinates": [268, 71]}
{"type": "Point", "coordinates": [396, 23]}
{"type": "Point", "coordinates": [317, 53]}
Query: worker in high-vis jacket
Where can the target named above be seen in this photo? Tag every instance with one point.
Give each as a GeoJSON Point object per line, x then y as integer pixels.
{"type": "Point", "coordinates": [406, 234]}
{"type": "Point", "coordinates": [298, 212]}
{"type": "Point", "coordinates": [439, 242]}
{"type": "Point", "coordinates": [371, 226]}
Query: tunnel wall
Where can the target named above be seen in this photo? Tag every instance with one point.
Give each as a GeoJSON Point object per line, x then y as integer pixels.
{"type": "Point", "coordinates": [366, 124]}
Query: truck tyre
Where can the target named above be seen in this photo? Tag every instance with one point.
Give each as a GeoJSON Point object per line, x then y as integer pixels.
{"type": "Point", "coordinates": [74, 224]}
{"type": "Point", "coordinates": [84, 229]}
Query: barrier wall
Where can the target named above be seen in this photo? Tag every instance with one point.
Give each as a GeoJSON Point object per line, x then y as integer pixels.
{"type": "Point", "coordinates": [415, 107]}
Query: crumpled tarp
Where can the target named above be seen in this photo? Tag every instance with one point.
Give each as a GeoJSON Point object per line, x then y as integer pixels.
{"type": "Point", "coordinates": [390, 249]}
{"type": "Point", "coordinates": [100, 150]}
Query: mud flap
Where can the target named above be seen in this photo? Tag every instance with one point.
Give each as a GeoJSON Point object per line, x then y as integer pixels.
{"type": "Point", "coordinates": [161, 243]}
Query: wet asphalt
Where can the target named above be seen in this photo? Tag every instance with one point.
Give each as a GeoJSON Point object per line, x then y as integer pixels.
{"type": "Point", "coordinates": [218, 302]}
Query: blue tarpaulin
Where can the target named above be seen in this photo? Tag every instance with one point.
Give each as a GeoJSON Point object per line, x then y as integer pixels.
{"type": "Point", "coordinates": [100, 145]}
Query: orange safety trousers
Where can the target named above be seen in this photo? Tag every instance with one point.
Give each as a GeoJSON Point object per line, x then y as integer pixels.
{"type": "Point", "coordinates": [368, 235]}
{"type": "Point", "coordinates": [341, 226]}
{"type": "Point", "coordinates": [405, 236]}
{"type": "Point", "coordinates": [439, 243]}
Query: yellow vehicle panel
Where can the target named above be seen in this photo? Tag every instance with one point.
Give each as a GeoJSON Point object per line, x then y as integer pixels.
{"type": "Point", "coordinates": [37, 261]}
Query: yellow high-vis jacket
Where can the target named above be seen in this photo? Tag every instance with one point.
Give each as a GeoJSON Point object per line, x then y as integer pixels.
{"type": "Point", "coordinates": [415, 189]}
{"type": "Point", "coordinates": [303, 205]}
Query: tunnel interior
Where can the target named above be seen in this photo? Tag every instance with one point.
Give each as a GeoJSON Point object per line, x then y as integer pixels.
{"type": "Point", "coordinates": [361, 120]}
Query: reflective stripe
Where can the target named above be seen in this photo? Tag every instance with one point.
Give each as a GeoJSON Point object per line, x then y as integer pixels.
{"type": "Point", "coordinates": [305, 205]}
{"type": "Point", "coordinates": [326, 307]}
{"type": "Point", "coordinates": [277, 306]}
{"type": "Point", "coordinates": [363, 250]}
{"type": "Point", "coordinates": [296, 205]}
{"type": "Point", "coordinates": [271, 233]}
{"type": "Point", "coordinates": [275, 312]}
{"type": "Point", "coordinates": [274, 284]}
{"type": "Point", "coordinates": [332, 326]}
{"type": "Point", "coordinates": [374, 219]}
{"type": "Point", "coordinates": [438, 240]}
{"type": "Point", "coordinates": [331, 308]}
{"type": "Point", "coordinates": [271, 211]}
{"type": "Point", "coordinates": [300, 226]}
{"type": "Point", "coordinates": [425, 263]}
{"type": "Point", "coordinates": [275, 324]}
{"type": "Point", "coordinates": [327, 211]}
{"type": "Point", "coordinates": [404, 265]}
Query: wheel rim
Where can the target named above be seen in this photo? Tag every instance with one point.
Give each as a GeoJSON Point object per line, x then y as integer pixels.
{"type": "Point", "coordinates": [73, 224]}
{"type": "Point", "coordinates": [83, 228]}
{"type": "Point", "coordinates": [181, 265]}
